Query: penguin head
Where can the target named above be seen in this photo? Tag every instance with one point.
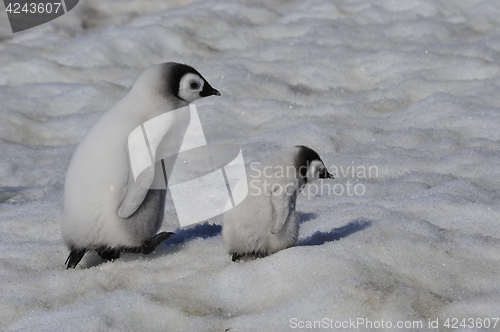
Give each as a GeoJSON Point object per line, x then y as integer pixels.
{"type": "Point", "coordinates": [317, 170]}
{"type": "Point", "coordinates": [310, 165]}
{"type": "Point", "coordinates": [186, 83]}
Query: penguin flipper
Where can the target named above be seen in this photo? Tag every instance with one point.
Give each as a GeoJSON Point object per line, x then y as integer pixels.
{"type": "Point", "coordinates": [282, 200]}
{"type": "Point", "coordinates": [75, 256]}
{"type": "Point", "coordinates": [136, 192]}
{"type": "Point", "coordinates": [165, 137]}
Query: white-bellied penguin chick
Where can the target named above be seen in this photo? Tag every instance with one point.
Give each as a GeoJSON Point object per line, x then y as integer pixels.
{"type": "Point", "coordinates": [266, 221]}
{"type": "Point", "coordinates": [104, 208]}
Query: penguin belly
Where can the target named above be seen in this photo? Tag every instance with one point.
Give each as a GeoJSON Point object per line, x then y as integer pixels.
{"type": "Point", "coordinates": [247, 228]}
{"type": "Point", "coordinates": [95, 187]}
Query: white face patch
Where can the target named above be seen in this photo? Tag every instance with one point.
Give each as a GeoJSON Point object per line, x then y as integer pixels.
{"type": "Point", "coordinates": [314, 169]}
{"type": "Point", "coordinates": [190, 87]}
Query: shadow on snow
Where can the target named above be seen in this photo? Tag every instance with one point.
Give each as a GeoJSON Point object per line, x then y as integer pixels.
{"type": "Point", "coordinates": [204, 231]}
{"type": "Point", "coordinates": [207, 230]}
{"type": "Point", "coordinates": [319, 238]}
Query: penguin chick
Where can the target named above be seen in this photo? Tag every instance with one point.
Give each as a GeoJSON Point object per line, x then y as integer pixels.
{"type": "Point", "coordinates": [266, 221]}
{"type": "Point", "coordinates": [104, 209]}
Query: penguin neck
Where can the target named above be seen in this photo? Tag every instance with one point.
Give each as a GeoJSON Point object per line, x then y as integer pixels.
{"type": "Point", "coordinates": [145, 105]}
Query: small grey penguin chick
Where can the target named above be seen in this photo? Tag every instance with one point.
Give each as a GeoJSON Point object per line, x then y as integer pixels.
{"type": "Point", "coordinates": [104, 209]}
{"type": "Point", "coordinates": [266, 221]}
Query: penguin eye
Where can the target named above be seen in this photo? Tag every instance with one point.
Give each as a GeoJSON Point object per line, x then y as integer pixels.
{"type": "Point", "coordinates": [194, 85]}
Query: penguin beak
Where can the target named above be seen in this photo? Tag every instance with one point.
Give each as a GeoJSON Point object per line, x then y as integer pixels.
{"type": "Point", "coordinates": [208, 91]}
{"type": "Point", "coordinates": [326, 175]}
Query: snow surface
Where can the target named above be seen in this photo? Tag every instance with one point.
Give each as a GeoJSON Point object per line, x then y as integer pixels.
{"type": "Point", "coordinates": [409, 87]}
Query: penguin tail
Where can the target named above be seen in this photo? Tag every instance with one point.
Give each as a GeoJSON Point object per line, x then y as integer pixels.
{"type": "Point", "coordinates": [75, 256]}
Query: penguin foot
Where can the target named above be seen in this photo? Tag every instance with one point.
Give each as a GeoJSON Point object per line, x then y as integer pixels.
{"type": "Point", "coordinates": [236, 257]}
{"type": "Point", "coordinates": [108, 254]}
{"type": "Point", "coordinates": [150, 244]}
{"type": "Point", "coordinates": [253, 254]}
{"type": "Point", "coordinates": [259, 254]}
{"type": "Point", "coordinates": [75, 256]}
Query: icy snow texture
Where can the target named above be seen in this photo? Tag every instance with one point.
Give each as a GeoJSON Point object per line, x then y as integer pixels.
{"type": "Point", "coordinates": [408, 86]}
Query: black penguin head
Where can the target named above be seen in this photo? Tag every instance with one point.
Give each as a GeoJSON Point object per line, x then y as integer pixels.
{"type": "Point", "coordinates": [310, 165]}
{"type": "Point", "coordinates": [186, 83]}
